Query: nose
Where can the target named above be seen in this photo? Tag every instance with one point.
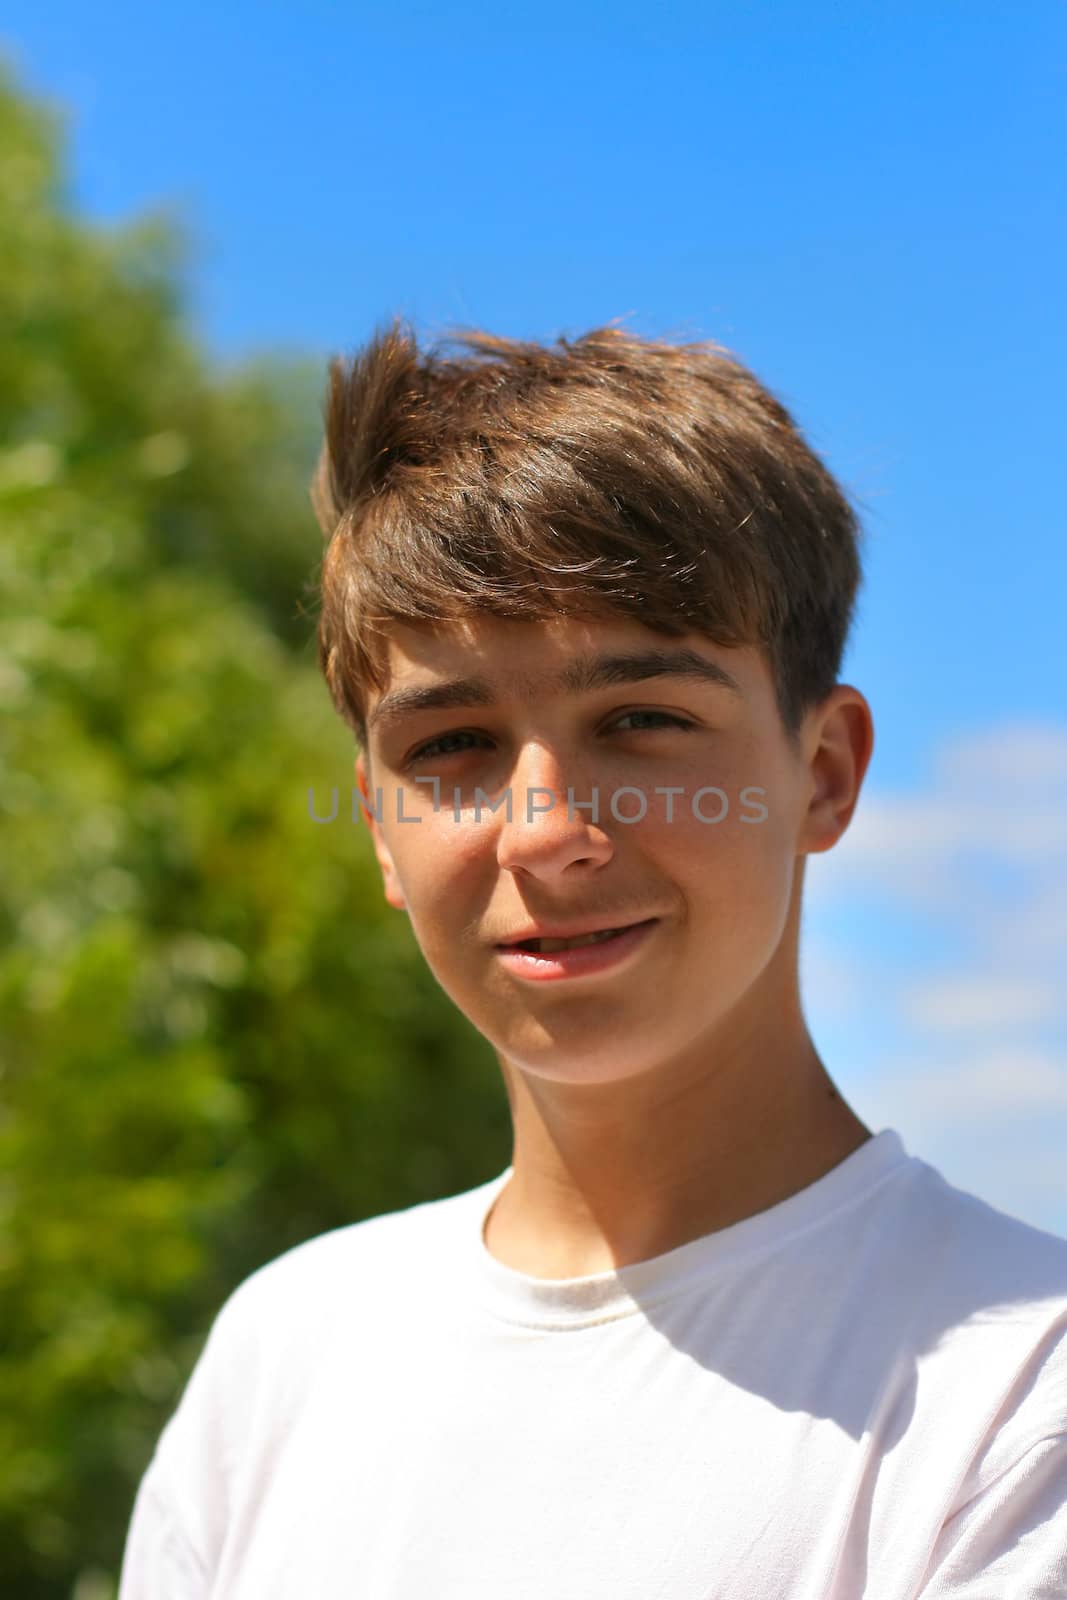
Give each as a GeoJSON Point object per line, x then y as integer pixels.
{"type": "Point", "coordinates": [545, 834]}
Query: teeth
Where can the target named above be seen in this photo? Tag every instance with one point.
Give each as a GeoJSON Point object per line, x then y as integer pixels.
{"type": "Point", "coordinates": [546, 945]}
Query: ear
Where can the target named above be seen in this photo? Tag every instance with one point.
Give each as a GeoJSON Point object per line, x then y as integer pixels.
{"type": "Point", "coordinates": [391, 881]}
{"type": "Point", "coordinates": [838, 742]}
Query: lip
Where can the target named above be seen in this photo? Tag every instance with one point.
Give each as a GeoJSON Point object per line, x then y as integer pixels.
{"type": "Point", "coordinates": [545, 930]}
{"type": "Point", "coordinates": [587, 960]}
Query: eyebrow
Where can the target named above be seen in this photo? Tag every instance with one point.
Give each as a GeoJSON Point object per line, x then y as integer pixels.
{"type": "Point", "coordinates": [578, 677]}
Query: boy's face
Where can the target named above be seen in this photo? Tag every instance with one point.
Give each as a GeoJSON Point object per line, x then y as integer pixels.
{"type": "Point", "coordinates": [720, 892]}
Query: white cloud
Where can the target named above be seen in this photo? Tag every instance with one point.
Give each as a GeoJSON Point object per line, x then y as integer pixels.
{"type": "Point", "coordinates": [1011, 1081]}
{"type": "Point", "coordinates": [961, 1045]}
{"type": "Point", "coordinates": [965, 1003]}
{"type": "Point", "coordinates": [1025, 755]}
{"type": "Point", "coordinates": [934, 848]}
{"type": "Point", "coordinates": [831, 975]}
{"type": "Point", "coordinates": [998, 796]}
{"type": "Point", "coordinates": [992, 1124]}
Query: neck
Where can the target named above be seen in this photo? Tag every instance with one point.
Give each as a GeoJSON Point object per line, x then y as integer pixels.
{"type": "Point", "coordinates": [609, 1174]}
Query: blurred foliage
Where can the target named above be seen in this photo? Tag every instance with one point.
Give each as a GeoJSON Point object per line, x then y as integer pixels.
{"type": "Point", "coordinates": [216, 1039]}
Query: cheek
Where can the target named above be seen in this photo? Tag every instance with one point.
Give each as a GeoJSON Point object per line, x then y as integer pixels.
{"type": "Point", "coordinates": [737, 874]}
{"type": "Point", "coordinates": [442, 870]}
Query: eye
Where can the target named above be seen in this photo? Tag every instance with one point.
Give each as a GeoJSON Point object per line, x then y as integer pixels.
{"type": "Point", "coordinates": [444, 744]}
{"type": "Point", "coordinates": [436, 747]}
{"type": "Point", "coordinates": [665, 717]}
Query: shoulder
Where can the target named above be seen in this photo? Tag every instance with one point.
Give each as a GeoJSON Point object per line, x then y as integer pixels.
{"type": "Point", "coordinates": [312, 1310]}
{"type": "Point", "coordinates": [342, 1276]}
{"type": "Point", "coordinates": [975, 1253]}
{"type": "Point", "coordinates": [991, 1305]}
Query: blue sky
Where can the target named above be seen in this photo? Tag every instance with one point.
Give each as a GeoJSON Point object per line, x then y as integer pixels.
{"type": "Point", "coordinates": [867, 204]}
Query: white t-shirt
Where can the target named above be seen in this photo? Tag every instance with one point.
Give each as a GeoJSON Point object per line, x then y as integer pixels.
{"type": "Point", "coordinates": [861, 1391]}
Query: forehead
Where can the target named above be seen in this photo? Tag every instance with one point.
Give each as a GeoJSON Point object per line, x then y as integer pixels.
{"type": "Point", "coordinates": [486, 659]}
{"type": "Point", "coordinates": [517, 651]}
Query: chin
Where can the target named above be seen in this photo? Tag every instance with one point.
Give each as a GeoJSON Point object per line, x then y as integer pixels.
{"type": "Point", "coordinates": [601, 1060]}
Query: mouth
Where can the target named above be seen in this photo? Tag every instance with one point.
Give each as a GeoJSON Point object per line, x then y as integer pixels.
{"type": "Point", "coordinates": [599, 953]}
{"type": "Point", "coordinates": [578, 941]}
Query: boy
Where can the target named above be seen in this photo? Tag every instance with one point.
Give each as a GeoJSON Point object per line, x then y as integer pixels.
{"type": "Point", "coordinates": [708, 1335]}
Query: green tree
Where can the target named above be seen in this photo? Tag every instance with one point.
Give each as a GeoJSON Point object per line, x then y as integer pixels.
{"type": "Point", "coordinates": [215, 1038]}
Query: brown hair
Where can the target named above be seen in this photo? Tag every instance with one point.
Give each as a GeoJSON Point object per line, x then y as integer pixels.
{"type": "Point", "coordinates": [606, 475]}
